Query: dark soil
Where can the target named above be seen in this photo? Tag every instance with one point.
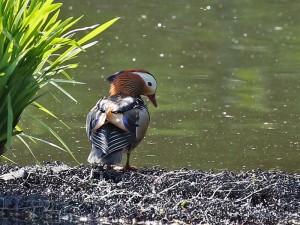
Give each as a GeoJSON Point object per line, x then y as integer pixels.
{"type": "Point", "coordinates": [58, 194]}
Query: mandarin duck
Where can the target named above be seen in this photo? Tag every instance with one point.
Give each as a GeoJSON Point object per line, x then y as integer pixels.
{"type": "Point", "coordinates": [118, 123]}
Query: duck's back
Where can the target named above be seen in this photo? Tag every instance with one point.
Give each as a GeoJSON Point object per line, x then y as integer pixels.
{"type": "Point", "coordinates": [109, 140]}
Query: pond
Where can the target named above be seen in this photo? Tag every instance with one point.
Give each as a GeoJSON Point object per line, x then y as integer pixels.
{"type": "Point", "coordinates": [228, 83]}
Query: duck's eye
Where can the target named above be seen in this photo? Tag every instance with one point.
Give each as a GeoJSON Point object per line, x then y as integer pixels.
{"type": "Point", "coordinates": [149, 84]}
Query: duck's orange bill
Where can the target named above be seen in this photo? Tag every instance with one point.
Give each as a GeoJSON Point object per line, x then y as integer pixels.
{"type": "Point", "coordinates": [152, 99]}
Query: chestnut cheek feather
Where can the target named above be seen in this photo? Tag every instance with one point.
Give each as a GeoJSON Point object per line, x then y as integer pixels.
{"type": "Point", "coordinates": [147, 90]}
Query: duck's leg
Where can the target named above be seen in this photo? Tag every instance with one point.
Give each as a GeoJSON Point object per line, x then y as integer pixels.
{"type": "Point", "coordinates": [126, 168]}
{"type": "Point", "coordinates": [127, 165]}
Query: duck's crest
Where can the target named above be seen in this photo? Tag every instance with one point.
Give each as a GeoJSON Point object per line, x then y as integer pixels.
{"type": "Point", "coordinates": [111, 78]}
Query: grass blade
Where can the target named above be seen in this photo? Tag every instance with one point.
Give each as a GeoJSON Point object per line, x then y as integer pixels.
{"type": "Point", "coordinates": [10, 119]}
{"type": "Point", "coordinates": [42, 108]}
{"type": "Point", "coordinates": [63, 91]}
{"type": "Point", "coordinates": [97, 31]}
{"type": "Point", "coordinates": [8, 159]}
{"type": "Point", "coordinates": [42, 140]}
{"type": "Point", "coordinates": [28, 147]}
{"type": "Point", "coordinates": [56, 136]}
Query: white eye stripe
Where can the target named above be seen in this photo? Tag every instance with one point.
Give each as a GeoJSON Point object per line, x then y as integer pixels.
{"type": "Point", "coordinates": [149, 80]}
{"type": "Point", "coordinates": [142, 74]}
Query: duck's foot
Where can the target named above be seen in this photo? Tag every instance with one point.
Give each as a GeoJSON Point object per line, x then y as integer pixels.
{"type": "Point", "coordinates": [123, 169]}
{"type": "Point", "coordinates": [117, 168]}
{"type": "Point", "coordinates": [130, 168]}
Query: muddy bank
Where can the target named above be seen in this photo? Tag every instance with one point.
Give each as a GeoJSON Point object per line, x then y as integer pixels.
{"type": "Point", "coordinates": [92, 195]}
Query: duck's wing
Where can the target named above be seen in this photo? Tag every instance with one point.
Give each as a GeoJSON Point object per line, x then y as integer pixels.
{"type": "Point", "coordinates": [108, 143]}
{"type": "Point", "coordinates": [112, 106]}
{"type": "Point", "coordinates": [137, 121]}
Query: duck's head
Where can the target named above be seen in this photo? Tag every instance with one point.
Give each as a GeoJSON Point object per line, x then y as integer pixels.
{"type": "Point", "coordinates": [134, 82]}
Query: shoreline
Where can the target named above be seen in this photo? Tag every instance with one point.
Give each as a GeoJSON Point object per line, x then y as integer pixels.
{"type": "Point", "coordinates": [88, 194]}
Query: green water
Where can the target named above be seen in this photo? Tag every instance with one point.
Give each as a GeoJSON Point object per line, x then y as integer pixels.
{"type": "Point", "coordinates": [228, 83]}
